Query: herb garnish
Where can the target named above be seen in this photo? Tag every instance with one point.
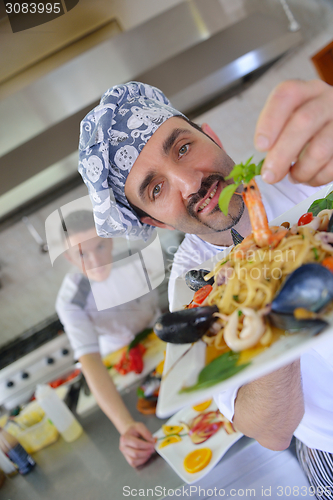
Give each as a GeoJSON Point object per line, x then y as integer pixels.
{"type": "Point", "coordinates": [322, 204]}
{"type": "Point", "coordinates": [216, 371]}
{"type": "Point", "coordinates": [241, 173]}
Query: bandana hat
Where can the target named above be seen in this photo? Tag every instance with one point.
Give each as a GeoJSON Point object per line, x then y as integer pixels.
{"type": "Point", "coordinates": [112, 136]}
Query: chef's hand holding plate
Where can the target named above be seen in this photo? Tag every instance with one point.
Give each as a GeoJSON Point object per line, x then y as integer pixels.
{"type": "Point", "coordinates": [137, 444]}
{"type": "Point", "coordinates": [295, 127]}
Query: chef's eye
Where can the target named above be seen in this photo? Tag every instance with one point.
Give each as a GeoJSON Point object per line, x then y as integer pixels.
{"type": "Point", "coordinates": [183, 150]}
{"type": "Point", "coordinates": [157, 190]}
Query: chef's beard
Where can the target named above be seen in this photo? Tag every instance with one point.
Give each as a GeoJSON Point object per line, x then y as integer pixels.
{"type": "Point", "coordinates": [206, 185]}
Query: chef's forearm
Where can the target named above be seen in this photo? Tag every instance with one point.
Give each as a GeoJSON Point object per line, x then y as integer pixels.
{"type": "Point", "coordinates": [105, 392]}
{"type": "Point", "coordinates": [270, 408]}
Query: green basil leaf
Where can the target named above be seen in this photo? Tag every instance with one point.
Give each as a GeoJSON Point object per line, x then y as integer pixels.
{"type": "Point", "coordinates": [317, 206]}
{"type": "Point", "coordinates": [226, 196]}
{"type": "Point", "coordinates": [248, 161]}
{"type": "Point", "coordinates": [218, 365]}
{"type": "Point", "coordinates": [243, 172]}
{"type": "Point", "coordinates": [139, 337]}
{"type": "Point", "coordinates": [140, 393]}
{"type": "Point", "coordinates": [237, 170]}
{"type": "Point", "coordinates": [258, 167]}
{"type": "Point", "coordinates": [329, 199]}
{"type": "Point", "coordinates": [208, 383]}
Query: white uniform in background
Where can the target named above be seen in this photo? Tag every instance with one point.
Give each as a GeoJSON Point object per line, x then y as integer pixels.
{"type": "Point", "coordinates": [316, 428]}
{"type": "Point", "coordinates": [105, 316]}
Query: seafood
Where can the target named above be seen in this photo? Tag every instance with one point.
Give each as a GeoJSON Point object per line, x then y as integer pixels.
{"type": "Point", "coordinates": [310, 287]}
{"type": "Point", "coordinates": [195, 279]}
{"type": "Point", "coordinates": [262, 234]}
{"type": "Point", "coordinates": [185, 326]}
{"type": "Point", "coordinates": [252, 329]}
{"type": "Point", "coordinates": [330, 224]}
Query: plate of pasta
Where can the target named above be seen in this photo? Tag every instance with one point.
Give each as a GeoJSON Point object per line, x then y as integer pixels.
{"type": "Point", "coordinates": [249, 297]}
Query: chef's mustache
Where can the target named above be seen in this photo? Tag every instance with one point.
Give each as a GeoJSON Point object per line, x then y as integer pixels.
{"type": "Point", "coordinates": [205, 187]}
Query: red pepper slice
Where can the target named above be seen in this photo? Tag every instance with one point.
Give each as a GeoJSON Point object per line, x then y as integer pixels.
{"type": "Point", "coordinates": [305, 219]}
{"type": "Point", "coordinates": [328, 263]}
{"type": "Point", "coordinates": [202, 293]}
{"type": "Point", "coordinates": [136, 361]}
{"type": "Point", "coordinates": [132, 360]}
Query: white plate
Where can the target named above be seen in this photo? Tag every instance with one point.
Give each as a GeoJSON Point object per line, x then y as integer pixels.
{"type": "Point", "coordinates": [174, 454]}
{"type": "Point", "coordinates": [186, 371]}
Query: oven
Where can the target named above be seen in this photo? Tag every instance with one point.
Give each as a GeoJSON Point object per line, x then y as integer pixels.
{"type": "Point", "coordinates": [39, 355]}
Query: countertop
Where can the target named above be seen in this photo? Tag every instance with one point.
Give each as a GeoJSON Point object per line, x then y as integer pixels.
{"type": "Point", "coordinates": [93, 468]}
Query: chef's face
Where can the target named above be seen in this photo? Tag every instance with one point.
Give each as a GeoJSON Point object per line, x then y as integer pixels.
{"type": "Point", "coordinates": [177, 180]}
{"type": "Point", "coordinates": [91, 254]}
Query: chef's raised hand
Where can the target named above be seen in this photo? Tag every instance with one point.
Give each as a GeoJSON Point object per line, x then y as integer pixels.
{"type": "Point", "coordinates": [295, 128]}
{"type": "Point", "coordinates": [137, 444]}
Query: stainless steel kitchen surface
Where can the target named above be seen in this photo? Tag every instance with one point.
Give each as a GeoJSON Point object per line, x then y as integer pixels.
{"type": "Point", "coordinates": [93, 468]}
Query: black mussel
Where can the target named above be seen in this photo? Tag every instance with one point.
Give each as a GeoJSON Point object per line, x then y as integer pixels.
{"type": "Point", "coordinates": [236, 237]}
{"type": "Point", "coordinates": [290, 323]}
{"type": "Point", "coordinates": [310, 287]}
{"type": "Point", "coordinates": [194, 279]}
{"type": "Point", "coordinates": [330, 225]}
{"type": "Point", "coordinates": [185, 326]}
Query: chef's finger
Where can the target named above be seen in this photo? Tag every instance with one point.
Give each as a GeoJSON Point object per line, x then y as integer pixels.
{"type": "Point", "coordinates": [281, 103]}
{"type": "Point", "coordinates": [312, 163]}
{"type": "Point", "coordinates": [302, 128]}
{"type": "Point", "coordinates": [135, 442]}
{"type": "Point", "coordinates": [287, 100]}
{"type": "Point", "coordinates": [145, 433]}
{"type": "Point", "coordinates": [135, 461]}
{"type": "Point", "coordinates": [324, 176]}
{"type": "Point", "coordinates": [135, 453]}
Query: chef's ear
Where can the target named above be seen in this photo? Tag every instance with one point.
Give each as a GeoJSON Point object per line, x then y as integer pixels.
{"type": "Point", "coordinates": [156, 223]}
{"type": "Point", "coordinates": [207, 130]}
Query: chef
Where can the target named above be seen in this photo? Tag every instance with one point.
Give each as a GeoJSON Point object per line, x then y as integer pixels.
{"type": "Point", "coordinates": [96, 306]}
{"type": "Point", "coordinates": [166, 172]}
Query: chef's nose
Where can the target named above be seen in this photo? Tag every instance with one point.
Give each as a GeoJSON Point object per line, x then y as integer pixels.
{"type": "Point", "coordinates": [187, 180]}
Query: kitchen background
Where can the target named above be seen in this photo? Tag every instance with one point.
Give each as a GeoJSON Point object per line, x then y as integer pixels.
{"type": "Point", "coordinates": [29, 283]}
{"type": "Point", "coordinates": [227, 57]}
{"type": "Point", "coordinates": [47, 81]}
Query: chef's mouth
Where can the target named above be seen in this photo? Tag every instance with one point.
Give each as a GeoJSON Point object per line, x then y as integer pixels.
{"type": "Point", "coordinates": [211, 199]}
{"type": "Point", "coordinates": [206, 199]}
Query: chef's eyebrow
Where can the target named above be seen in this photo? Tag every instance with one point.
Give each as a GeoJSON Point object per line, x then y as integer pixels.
{"type": "Point", "coordinates": [171, 139]}
{"type": "Point", "coordinates": [145, 183]}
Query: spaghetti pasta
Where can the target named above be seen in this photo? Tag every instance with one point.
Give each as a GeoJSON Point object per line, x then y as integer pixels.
{"type": "Point", "coordinates": [250, 276]}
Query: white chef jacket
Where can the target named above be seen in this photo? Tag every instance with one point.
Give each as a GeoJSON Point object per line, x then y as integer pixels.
{"type": "Point", "coordinates": [105, 316]}
{"type": "Point", "coordinates": [316, 428]}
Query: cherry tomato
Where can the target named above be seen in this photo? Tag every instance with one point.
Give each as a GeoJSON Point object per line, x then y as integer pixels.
{"type": "Point", "coordinates": [305, 219]}
{"type": "Point", "coordinates": [328, 262]}
{"type": "Point", "coordinates": [201, 294]}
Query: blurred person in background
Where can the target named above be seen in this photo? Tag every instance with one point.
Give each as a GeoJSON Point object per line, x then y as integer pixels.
{"type": "Point", "coordinates": [97, 318]}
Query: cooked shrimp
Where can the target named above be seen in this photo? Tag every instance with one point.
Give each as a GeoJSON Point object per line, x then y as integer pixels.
{"type": "Point", "coordinates": [262, 235]}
